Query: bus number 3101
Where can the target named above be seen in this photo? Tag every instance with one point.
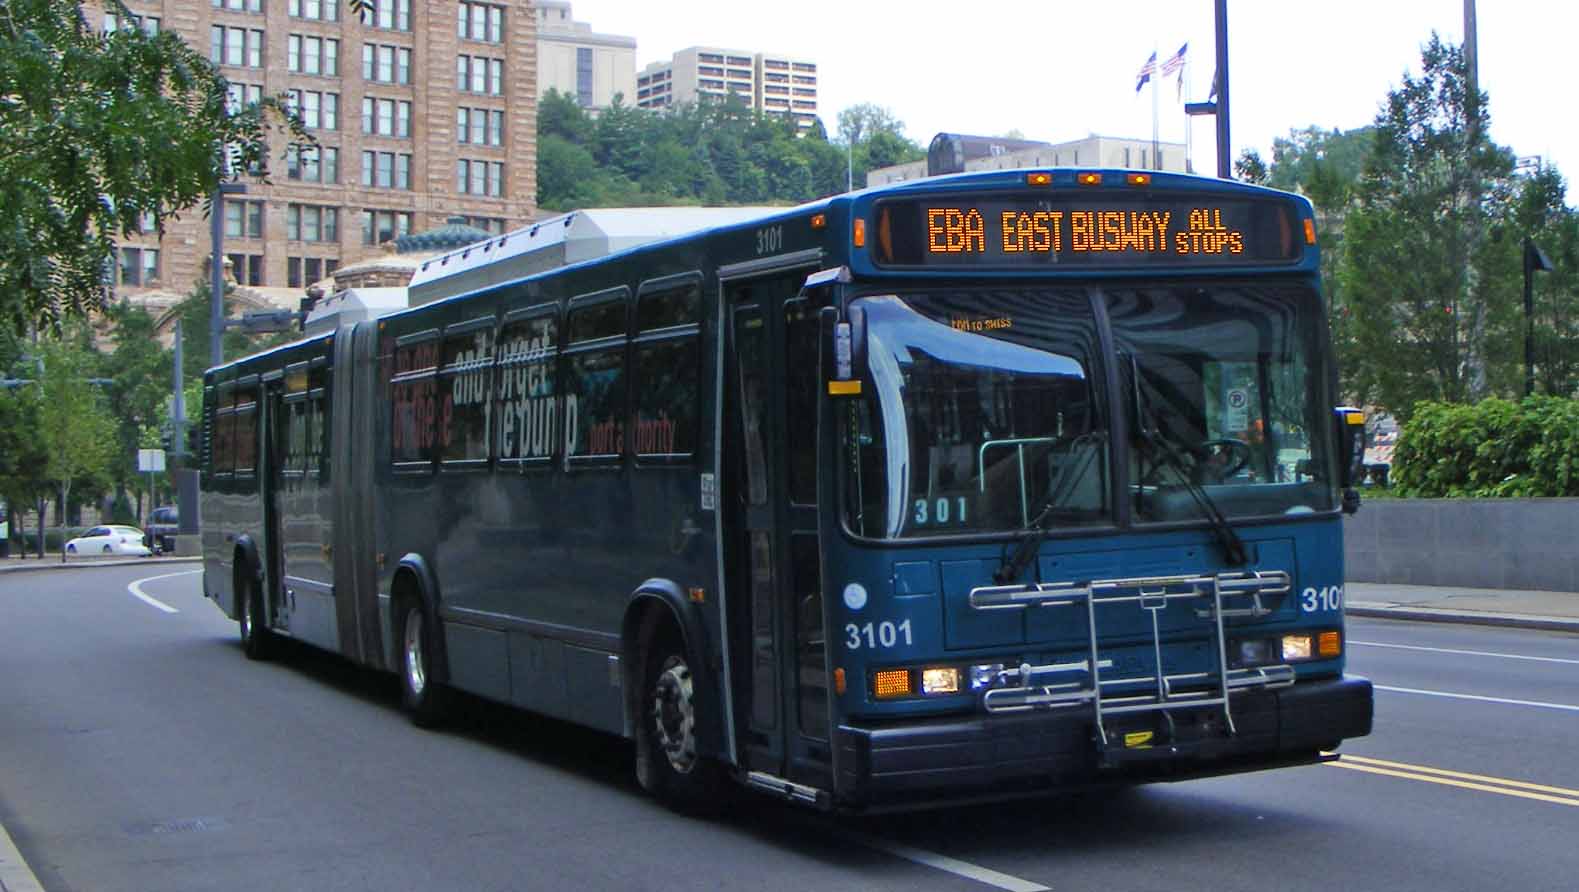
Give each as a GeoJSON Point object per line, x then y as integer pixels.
{"type": "Point", "coordinates": [1329, 597]}
{"type": "Point", "coordinates": [883, 634]}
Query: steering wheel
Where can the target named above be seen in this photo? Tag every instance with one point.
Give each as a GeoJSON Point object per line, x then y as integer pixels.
{"type": "Point", "coordinates": [1224, 457]}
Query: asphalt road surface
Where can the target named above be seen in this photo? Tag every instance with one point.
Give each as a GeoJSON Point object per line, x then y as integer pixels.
{"type": "Point", "coordinates": [140, 751]}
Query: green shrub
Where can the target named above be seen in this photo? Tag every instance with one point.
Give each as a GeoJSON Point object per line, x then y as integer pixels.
{"type": "Point", "coordinates": [121, 510]}
{"type": "Point", "coordinates": [1493, 449]}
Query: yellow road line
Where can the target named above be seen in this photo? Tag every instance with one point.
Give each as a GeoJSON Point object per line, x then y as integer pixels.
{"type": "Point", "coordinates": [1518, 789]}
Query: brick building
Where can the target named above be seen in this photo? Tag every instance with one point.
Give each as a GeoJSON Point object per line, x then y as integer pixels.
{"type": "Point", "coordinates": [423, 109]}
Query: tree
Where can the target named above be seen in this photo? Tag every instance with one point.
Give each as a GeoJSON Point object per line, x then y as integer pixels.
{"type": "Point", "coordinates": [139, 369]}
{"type": "Point", "coordinates": [75, 432]}
{"type": "Point", "coordinates": [1421, 244]}
{"type": "Point", "coordinates": [98, 129]}
{"type": "Point", "coordinates": [859, 122]}
{"type": "Point", "coordinates": [1250, 168]}
{"type": "Point", "coordinates": [1541, 215]}
{"type": "Point", "coordinates": [21, 456]}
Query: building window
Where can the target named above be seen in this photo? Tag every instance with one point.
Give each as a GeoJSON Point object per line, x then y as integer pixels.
{"type": "Point", "coordinates": [239, 96]}
{"type": "Point", "coordinates": [248, 268]}
{"type": "Point", "coordinates": [303, 271]}
{"type": "Point", "coordinates": [241, 47]}
{"type": "Point", "coordinates": [478, 74]}
{"type": "Point", "coordinates": [316, 10]}
{"type": "Point", "coordinates": [243, 219]}
{"type": "Point", "coordinates": [147, 23]}
{"type": "Point", "coordinates": [386, 64]}
{"type": "Point", "coordinates": [313, 55]}
{"type": "Point", "coordinates": [391, 15]}
{"type": "Point", "coordinates": [238, 5]}
{"type": "Point", "coordinates": [382, 226]}
{"type": "Point", "coordinates": [313, 164]}
{"type": "Point", "coordinates": [319, 111]}
{"type": "Point", "coordinates": [479, 177]}
{"type": "Point", "coordinates": [311, 223]}
{"type": "Point", "coordinates": [386, 117]}
{"type": "Point", "coordinates": [387, 170]}
{"type": "Point", "coordinates": [480, 21]}
{"type": "Point", "coordinates": [479, 126]}
{"type": "Point", "coordinates": [139, 266]}
{"type": "Point", "coordinates": [584, 76]}
{"type": "Point", "coordinates": [493, 225]}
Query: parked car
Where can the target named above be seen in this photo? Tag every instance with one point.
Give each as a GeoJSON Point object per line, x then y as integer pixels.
{"type": "Point", "coordinates": [163, 524]}
{"type": "Point", "coordinates": [113, 539]}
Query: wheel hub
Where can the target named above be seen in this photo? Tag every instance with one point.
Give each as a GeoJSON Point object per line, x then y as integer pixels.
{"type": "Point", "coordinates": [674, 716]}
{"type": "Point", "coordinates": [416, 674]}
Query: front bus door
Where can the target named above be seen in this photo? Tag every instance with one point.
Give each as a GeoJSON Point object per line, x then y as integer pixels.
{"type": "Point", "coordinates": [770, 528]}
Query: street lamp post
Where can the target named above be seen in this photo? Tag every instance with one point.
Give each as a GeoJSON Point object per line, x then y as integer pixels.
{"type": "Point", "coordinates": [1535, 260]}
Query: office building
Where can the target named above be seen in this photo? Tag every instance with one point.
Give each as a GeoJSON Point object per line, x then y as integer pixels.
{"type": "Point", "coordinates": [579, 62]}
{"type": "Point", "coordinates": [423, 109]}
{"type": "Point", "coordinates": [956, 153]}
{"type": "Point", "coordinates": [768, 82]}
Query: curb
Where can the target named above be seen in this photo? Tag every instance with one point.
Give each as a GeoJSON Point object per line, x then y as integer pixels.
{"type": "Point", "coordinates": [83, 563]}
{"type": "Point", "coordinates": [1466, 617]}
{"type": "Point", "coordinates": [15, 875]}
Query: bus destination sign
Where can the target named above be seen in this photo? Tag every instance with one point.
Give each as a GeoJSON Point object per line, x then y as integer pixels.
{"type": "Point", "coordinates": [1081, 231]}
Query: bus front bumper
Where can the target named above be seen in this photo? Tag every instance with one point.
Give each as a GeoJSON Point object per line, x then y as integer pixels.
{"type": "Point", "coordinates": [932, 761]}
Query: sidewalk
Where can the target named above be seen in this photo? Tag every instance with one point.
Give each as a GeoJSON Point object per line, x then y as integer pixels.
{"type": "Point", "coordinates": [1556, 611]}
{"type": "Point", "coordinates": [52, 562]}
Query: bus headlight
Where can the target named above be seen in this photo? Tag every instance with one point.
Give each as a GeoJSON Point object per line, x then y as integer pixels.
{"type": "Point", "coordinates": [984, 675]}
{"type": "Point", "coordinates": [939, 680]}
{"type": "Point", "coordinates": [1296, 647]}
{"type": "Point", "coordinates": [1253, 652]}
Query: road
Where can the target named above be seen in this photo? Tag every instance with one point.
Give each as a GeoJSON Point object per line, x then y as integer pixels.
{"type": "Point", "coordinates": [139, 750]}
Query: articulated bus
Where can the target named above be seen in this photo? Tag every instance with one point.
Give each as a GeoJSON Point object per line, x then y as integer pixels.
{"type": "Point", "coordinates": [988, 485]}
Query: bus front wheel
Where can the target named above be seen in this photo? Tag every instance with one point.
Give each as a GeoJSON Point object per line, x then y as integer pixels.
{"type": "Point", "coordinates": [675, 771]}
{"type": "Point", "coordinates": [421, 693]}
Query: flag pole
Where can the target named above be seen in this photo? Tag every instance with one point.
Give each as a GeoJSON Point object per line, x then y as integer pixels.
{"type": "Point", "coordinates": [1156, 78]}
{"type": "Point", "coordinates": [1189, 126]}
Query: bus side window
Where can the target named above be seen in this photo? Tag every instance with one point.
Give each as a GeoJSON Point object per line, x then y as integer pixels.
{"type": "Point", "coordinates": [413, 404]}
{"type": "Point", "coordinates": [528, 405]}
{"type": "Point", "coordinates": [465, 393]}
{"type": "Point", "coordinates": [667, 369]}
{"type": "Point", "coordinates": [595, 401]}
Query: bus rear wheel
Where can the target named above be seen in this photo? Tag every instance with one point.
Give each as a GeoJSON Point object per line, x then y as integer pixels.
{"type": "Point", "coordinates": [675, 771]}
{"type": "Point", "coordinates": [422, 696]}
{"type": "Point", "coordinates": [257, 642]}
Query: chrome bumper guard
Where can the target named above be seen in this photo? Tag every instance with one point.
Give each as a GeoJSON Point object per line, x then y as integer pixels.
{"type": "Point", "coordinates": [1075, 684]}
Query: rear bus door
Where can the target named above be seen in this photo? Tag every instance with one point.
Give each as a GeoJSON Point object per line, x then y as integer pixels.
{"type": "Point", "coordinates": [770, 526]}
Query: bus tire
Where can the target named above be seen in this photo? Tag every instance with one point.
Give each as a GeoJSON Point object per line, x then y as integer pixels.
{"type": "Point", "coordinates": [421, 694]}
{"type": "Point", "coordinates": [674, 771]}
{"type": "Point", "coordinates": [257, 642]}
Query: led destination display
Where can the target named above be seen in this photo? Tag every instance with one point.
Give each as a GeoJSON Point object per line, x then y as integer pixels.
{"type": "Point", "coordinates": [1082, 230]}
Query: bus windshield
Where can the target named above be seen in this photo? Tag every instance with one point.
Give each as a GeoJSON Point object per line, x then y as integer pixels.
{"type": "Point", "coordinates": [1229, 379]}
{"type": "Point", "coordinates": [988, 407]}
{"type": "Point", "coordinates": [988, 411]}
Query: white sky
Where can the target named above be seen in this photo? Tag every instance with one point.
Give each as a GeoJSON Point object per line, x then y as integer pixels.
{"type": "Point", "coordinates": [1061, 70]}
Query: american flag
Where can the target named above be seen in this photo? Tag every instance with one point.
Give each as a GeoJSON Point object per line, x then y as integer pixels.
{"type": "Point", "coordinates": [1146, 71]}
{"type": "Point", "coordinates": [1174, 62]}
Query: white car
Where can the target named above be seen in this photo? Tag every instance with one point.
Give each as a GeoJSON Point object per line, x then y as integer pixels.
{"type": "Point", "coordinates": [109, 540]}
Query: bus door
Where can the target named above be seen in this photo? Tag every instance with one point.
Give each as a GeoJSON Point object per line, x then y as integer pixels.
{"type": "Point", "coordinates": [272, 411]}
{"type": "Point", "coordinates": [770, 528]}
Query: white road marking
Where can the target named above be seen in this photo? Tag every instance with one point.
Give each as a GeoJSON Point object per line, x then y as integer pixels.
{"type": "Point", "coordinates": [1536, 703]}
{"type": "Point", "coordinates": [952, 865]}
{"type": "Point", "coordinates": [136, 588]}
{"type": "Point", "coordinates": [1467, 653]}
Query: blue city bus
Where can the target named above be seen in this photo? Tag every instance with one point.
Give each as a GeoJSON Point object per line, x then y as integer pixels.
{"type": "Point", "coordinates": [986, 485]}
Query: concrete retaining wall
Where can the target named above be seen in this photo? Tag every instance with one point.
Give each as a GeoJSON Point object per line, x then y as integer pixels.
{"type": "Point", "coordinates": [1474, 543]}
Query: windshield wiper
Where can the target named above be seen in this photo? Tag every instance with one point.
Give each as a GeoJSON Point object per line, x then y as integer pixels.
{"type": "Point", "coordinates": [1089, 446]}
{"type": "Point", "coordinates": [1149, 432]}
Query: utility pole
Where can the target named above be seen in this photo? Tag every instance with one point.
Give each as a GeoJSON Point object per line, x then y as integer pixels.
{"type": "Point", "coordinates": [1224, 145]}
{"type": "Point", "coordinates": [178, 402]}
{"type": "Point", "coordinates": [1217, 104]}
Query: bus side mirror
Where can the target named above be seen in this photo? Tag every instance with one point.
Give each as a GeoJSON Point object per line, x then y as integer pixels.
{"type": "Point", "coordinates": [1349, 427]}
